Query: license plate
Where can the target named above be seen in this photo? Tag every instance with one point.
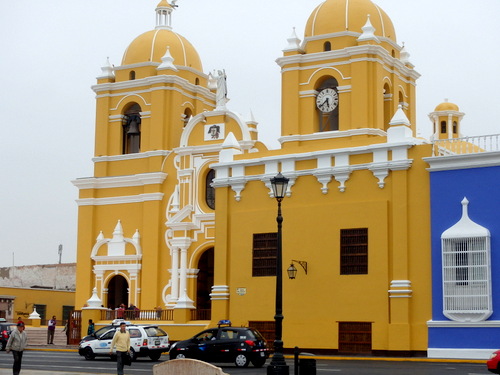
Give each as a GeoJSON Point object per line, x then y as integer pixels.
{"type": "Point", "coordinates": [262, 354]}
{"type": "Point", "coordinates": [157, 342]}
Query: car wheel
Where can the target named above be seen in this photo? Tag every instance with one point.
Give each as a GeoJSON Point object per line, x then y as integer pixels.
{"type": "Point", "coordinates": [155, 356]}
{"type": "Point", "coordinates": [88, 354]}
{"type": "Point", "coordinates": [133, 354]}
{"type": "Point", "coordinates": [179, 356]}
{"type": "Point", "coordinates": [241, 360]}
{"type": "Point", "coordinates": [258, 362]}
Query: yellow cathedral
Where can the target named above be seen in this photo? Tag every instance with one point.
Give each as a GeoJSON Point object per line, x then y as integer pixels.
{"type": "Point", "coordinates": [179, 218]}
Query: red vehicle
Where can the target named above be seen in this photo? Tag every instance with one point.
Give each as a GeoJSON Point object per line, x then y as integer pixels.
{"type": "Point", "coordinates": [5, 330]}
{"type": "Point", "coordinates": [494, 362]}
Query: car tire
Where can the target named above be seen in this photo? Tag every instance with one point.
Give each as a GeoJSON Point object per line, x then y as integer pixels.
{"type": "Point", "coordinates": [133, 355]}
{"type": "Point", "coordinates": [241, 360]}
{"type": "Point", "coordinates": [258, 362]}
{"type": "Point", "coordinates": [179, 356]}
{"type": "Point", "coordinates": [154, 356]}
{"type": "Point", "coordinates": [88, 354]}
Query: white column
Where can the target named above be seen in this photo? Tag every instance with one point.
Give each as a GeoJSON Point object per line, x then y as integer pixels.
{"type": "Point", "coordinates": [184, 301]}
{"type": "Point", "coordinates": [175, 274]}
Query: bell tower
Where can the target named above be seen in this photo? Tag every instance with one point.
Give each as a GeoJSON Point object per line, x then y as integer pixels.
{"type": "Point", "coordinates": [347, 78]}
{"type": "Point", "coordinates": [144, 104]}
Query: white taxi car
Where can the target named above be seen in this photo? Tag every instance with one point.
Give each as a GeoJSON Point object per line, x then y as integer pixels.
{"type": "Point", "coordinates": [145, 341]}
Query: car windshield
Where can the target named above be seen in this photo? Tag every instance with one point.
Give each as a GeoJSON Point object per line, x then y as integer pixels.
{"type": "Point", "coordinates": [154, 332]}
{"type": "Point", "coordinates": [100, 331]}
{"type": "Point", "coordinates": [258, 335]}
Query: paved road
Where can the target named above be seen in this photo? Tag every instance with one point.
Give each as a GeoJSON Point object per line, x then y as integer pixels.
{"type": "Point", "coordinates": [62, 363]}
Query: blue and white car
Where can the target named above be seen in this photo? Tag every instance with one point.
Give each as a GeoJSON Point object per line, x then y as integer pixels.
{"type": "Point", "coordinates": [145, 341]}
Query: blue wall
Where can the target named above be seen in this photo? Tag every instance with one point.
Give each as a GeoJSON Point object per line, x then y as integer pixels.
{"type": "Point", "coordinates": [481, 186]}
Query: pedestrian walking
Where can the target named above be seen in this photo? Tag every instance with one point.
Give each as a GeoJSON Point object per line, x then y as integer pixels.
{"type": "Point", "coordinates": [91, 328]}
{"type": "Point", "coordinates": [16, 344]}
{"type": "Point", "coordinates": [121, 340]}
{"type": "Point", "coordinates": [51, 329]}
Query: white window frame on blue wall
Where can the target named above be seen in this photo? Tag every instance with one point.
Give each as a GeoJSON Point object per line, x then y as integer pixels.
{"type": "Point", "coordinates": [466, 270]}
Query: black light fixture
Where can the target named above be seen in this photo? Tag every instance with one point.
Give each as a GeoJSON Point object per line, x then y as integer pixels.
{"type": "Point", "coordinates": [279, 184]}
{"type": "Point", "coordinates": [292, 271]}
{"type": "Point", "coordinates": [278, 365]}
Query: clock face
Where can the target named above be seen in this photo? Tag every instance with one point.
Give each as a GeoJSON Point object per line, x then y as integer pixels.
{"type": "Point", "coordinates": [327, 100]}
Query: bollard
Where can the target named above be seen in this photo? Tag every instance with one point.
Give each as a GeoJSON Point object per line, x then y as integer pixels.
{"type": "Point", "coordinates": [307, 366]}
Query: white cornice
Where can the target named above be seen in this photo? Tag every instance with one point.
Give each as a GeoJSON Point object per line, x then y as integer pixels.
{"type": "Point", "coordinates": [347, 33]}
{"type": "Point", "coordinates": [331, 135]}
{"type": "Point", "coordinates": [156, 64]}
{"type": "Point", "coordinates": [139, 155]}
{"type": "Point", "coordinates": [148, 82]}
{"type": "Point", "coordinates": [463, 161]}
{"type": "Point", "coordinates": [449, 323]}
{"type": "Point", "coordinates": [141, 198]}
{"type": "Point", "coordinates": [326, 58]}
{"type": "Point", "coordinates": [120, 181]}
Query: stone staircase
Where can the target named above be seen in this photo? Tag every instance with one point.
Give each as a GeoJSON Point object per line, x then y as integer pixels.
{"type": "Point", "coordinates": [37, 336]}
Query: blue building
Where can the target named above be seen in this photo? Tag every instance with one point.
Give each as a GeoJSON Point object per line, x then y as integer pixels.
{"type": "Point", "coordinates": [465, 227]}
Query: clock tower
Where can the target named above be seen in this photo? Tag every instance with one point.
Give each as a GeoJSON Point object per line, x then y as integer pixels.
{"type": "Point", "coordinates": [347, 77]}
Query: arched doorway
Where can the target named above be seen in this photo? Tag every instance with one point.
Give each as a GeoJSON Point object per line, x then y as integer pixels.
{"type": "Point", "coordinates": [204, 284]}
{"type": "Point", "coordinates": [117, 292]}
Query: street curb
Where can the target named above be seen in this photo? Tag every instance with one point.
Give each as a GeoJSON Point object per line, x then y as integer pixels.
{"type": "Point", "coordinates": [330, 358]}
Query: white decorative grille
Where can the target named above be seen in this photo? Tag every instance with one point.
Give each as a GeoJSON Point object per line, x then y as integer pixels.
{"type": "Point", "coordinates": [466, 271]}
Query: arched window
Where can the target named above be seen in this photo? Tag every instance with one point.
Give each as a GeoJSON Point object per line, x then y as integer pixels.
{"type": "Point", "coordinates": [443, 127]}
{"type": "Point", "coordinates": [197, 81]}
{"type": "Point", "coordinates": [131, 75]}
{"type": "Point", "coordinates": [327, 46]}
{"type": "Point", "coordinates": [187, 116]}
{"type": "Point", "coordinates": [327, 105]}
{"type": "Point", "coordinates": [455, 127]}
{"type": "Point", "coordinates": [209, 190]}
{"type": "Point", "coordinates": [131, 139]}
{"type": "Point", "coordinates": [388, 112]}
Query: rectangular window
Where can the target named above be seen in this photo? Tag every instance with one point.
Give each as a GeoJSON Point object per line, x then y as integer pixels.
{"type": "Point", "coordinates": [354, 251]}
{"type": "Point", "coordinates": [264, 254]}
{"type": "Point", "coordinates": [355, 337]}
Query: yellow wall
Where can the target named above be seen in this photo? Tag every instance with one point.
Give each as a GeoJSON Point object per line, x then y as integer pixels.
{"type": "Point", "coordinates": [25, 298]}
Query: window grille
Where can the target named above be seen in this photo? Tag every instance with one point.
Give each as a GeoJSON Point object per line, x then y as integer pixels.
{"type": "Point", "coordinates": [354, 251]}
{"type": "Point", "coordinates": [466, 271]}
{"type": "Point", "coordinates": [264, 254]}
{"type": "Point", "coordinates": [355, 337]}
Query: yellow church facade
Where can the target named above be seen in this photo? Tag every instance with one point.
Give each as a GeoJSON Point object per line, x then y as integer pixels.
{"type": "Point", "coordinates": [180, 214]}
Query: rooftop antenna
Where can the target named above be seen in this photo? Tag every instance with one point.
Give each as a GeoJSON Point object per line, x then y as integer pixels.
{"type": "Point", "coordinates": [60, 253]}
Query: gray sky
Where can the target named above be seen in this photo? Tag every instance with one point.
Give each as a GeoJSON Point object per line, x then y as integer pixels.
{"type": "Point", "coordinates": [52, 50]}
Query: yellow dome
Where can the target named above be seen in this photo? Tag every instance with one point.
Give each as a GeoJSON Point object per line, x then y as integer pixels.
{"type": "Point", "coordinates": [334, 16]}
{"type": "Point", "coordinates": [152, 45]}
{"type": "Point", "coordinates": [447, 106]}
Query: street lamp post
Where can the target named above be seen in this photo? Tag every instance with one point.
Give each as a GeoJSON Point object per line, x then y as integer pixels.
{"type": "Point", "coordinates": [278, 365]}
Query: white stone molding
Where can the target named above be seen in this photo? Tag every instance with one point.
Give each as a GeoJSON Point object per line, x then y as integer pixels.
{"type": "Point", "coordinates": [140, 198]}
{"type": "Point", "coordinates": [120, 181]}
{"type": "Point", "coordinates": [400, 289]}
{"type": "Point", "coordinates": [138, 155]}
{"type": "Point", "coordinates": [219, 293]}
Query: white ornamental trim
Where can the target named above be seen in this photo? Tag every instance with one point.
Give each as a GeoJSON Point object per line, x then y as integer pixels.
{"type": "Point", "coordinates": [139, 155]}
{"type": "Point", "coordinates": [464, 161]}
{"type": "Point", "coordinates": [120, 181]}
{"type": "Point", "coordinates": [141, 198]}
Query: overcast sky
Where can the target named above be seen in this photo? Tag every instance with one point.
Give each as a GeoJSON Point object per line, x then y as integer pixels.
{"type": "Point", "coordinates": [52, 50]}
